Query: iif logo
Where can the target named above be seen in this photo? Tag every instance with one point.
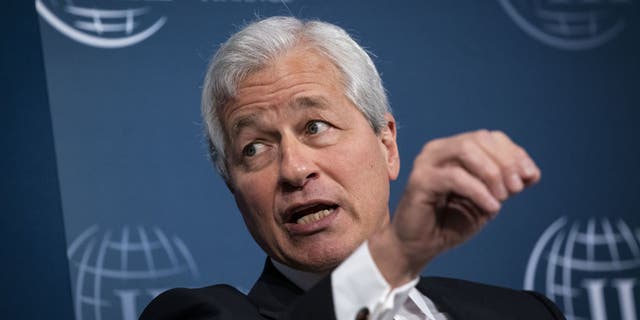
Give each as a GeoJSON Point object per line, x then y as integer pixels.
{"type": "Point", "coordinates": [115, 273]}
{"type": "Point", "coordinates": [569, 24]}
{"type": "Point", "coordinates": [111, 25]}
{"type": "Point", "coordinates": [590, 269]}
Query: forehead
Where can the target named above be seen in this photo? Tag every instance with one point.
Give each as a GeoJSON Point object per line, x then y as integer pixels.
{"type": "Point", "coordinates": [302, 77]}
{"type": "Point", "coordinates": [251, 117]}
{"type": "Point", "coordinates": [299, 59]}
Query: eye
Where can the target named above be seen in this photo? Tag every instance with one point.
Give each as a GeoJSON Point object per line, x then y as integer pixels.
{"type": "Point", "coordinates": [316, 126]}
{"type": "Point", "coordinates": [252, 149]}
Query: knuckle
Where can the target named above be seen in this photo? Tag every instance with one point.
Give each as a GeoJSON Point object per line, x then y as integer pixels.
{"type": "Point", "coordinates": [512, 166]}
{"type": "Point", "coordinates": [467, 148]}
{"type": "Point", "coordinates": [422, 159]}
{"type": "Point", "coordinates": [457, 174]}
{"type": "Point", "coordinates": [431, 145]}
{"type": "Point", "coordinates": [508, 165]}
{"type": "Point", "coordinates": [498, 133]}
{"type": "Point", "coordinates": [492, 173]}
{"type": "Point", "coordinates": [500, 136]}
{"type": "Point", "coordinates": [482, 134]}
{"type": "Point", "coordinates": [520, 153]}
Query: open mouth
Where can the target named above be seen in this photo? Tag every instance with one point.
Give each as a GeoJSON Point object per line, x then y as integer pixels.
{"type": "Point", "coordinates": [310, 213]}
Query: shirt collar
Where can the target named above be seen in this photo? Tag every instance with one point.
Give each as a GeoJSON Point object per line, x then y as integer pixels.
{"type": "Point", "coordinates": [304, 280]}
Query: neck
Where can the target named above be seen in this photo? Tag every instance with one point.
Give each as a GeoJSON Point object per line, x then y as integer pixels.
{"type": "Point", "coordinates": [304, 280]}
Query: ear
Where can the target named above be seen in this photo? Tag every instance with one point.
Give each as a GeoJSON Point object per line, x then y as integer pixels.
{"type": "Point", "coordinates": [390, 147]}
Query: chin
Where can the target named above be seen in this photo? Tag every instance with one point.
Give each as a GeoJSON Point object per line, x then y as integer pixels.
{"type": "Point", "coordinates": [321, 260]}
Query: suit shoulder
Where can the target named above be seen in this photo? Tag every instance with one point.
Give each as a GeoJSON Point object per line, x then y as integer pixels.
{"type": "Point", "coordinates": [489, 297]}
{"type": "Point", "coordinates": [212, 302]}
{"type": "Point", "coordinates": [462, 286]}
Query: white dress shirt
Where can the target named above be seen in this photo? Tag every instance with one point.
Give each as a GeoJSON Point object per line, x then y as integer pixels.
{"type": "Point", "coordinates": [357, 283]}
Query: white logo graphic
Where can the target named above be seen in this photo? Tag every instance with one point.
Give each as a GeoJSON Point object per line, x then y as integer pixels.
{"type": "Point", "coordinates": [569, 24]}
{"type": "Point", "coordinates": [115, 274]}
{"type": "Point", "coordinates": [102, 28]}
{"type": "Point", "coordinates": [591, 270]}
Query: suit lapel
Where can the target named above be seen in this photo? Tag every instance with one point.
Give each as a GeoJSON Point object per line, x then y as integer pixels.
{"type": "Point", "coordinates": [456, 299]}
{"type": "Point", "coordinates": [273, 292]}
{"type": "Point", "coordinates": [443, 302]}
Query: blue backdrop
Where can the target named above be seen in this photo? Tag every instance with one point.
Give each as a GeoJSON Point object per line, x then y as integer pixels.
{"type": "Point", "coordinates": [144, 210]}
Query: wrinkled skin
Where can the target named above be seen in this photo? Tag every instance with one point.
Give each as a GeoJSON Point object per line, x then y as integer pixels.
{"type": "Point", "coordinates": [307, 142]}
{"type": "Point", "coordinates": [295, 140]}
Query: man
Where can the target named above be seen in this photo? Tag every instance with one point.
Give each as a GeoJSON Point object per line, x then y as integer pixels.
{"type": "Point", "coordinates": [301, 131]}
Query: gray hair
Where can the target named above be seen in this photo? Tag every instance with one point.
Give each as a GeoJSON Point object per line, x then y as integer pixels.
{"type": "Point", "coordinates": [260, 43]}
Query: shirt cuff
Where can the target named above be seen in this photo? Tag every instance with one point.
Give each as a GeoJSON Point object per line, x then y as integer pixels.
{"type": "Point", "coordinates": [357, 283]}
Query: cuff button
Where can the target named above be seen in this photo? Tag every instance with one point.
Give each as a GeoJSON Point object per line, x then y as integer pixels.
{"type": "Point", "coordinates": [363, 314]}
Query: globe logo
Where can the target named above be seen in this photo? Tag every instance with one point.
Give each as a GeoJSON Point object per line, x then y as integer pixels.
{"type": "Point", "coordinates": [113, 25]}
{"type": "Point", "coordinates": [569, 25]}
{"type": "Point", "coordinates": [116, 273]}
{"type": "Point", "coordinates": [589, 269]}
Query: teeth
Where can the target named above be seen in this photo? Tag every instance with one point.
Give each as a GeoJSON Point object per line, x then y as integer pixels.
{"type": "Point", "coordinates": [313, 217]}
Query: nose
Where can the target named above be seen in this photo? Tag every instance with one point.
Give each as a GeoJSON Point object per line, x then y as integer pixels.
{"type": "Point", "coordinates": [297, 166]}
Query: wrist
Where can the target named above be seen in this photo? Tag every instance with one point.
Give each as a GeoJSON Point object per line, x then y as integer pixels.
{"type": "Point", "coordinates": [391, 259]}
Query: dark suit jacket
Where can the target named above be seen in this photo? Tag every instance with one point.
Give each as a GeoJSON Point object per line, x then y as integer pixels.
{"type": "Point", "coordinates": [275, 297]}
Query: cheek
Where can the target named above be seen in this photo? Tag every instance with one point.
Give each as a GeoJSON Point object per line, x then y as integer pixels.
{"type": "Point", "coordinates": [366, 158]}
{"type": "Point", "coordinates": [255, 207]}
{"type": "Point", "coordinates": [362, 170]}
{"type": "Point", "coordinates": [254, 190]}
{"type": "Point", "coordinates": [254, 198]}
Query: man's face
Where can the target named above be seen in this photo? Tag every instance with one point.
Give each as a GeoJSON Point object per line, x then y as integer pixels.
{"type": "Point", "coordinates": [308, 172]}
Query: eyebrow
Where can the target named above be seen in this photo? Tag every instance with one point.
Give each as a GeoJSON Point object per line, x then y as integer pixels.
{"type": "Point", "coordinates": [305, 102]}
{"type": "Point", "coordinates": [244, 121]}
